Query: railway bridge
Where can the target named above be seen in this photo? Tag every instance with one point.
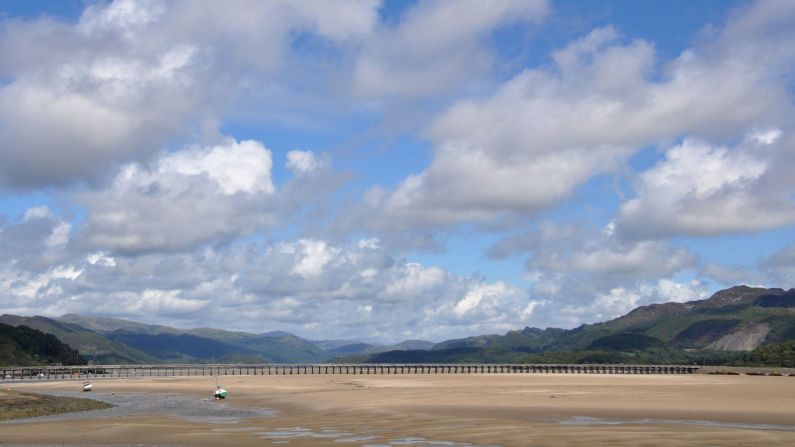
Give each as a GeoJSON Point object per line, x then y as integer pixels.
{"type": "Point", "coordinates": [131, 371]}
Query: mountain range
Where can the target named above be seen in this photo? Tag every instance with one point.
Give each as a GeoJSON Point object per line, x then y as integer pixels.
{"type": "Point", "coordinates": [115, 341]}
{"type": "Point", "coordinates": [735, 320]}
{"type": "Point", "coordinates": [739, 319]}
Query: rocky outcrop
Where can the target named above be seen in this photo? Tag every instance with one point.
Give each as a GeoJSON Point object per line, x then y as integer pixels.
{"type": "Point", "coordinates": [746, 338]}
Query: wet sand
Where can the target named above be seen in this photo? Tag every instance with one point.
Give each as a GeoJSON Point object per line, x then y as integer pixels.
{"type": "Point", "coordinates": [463, 410]}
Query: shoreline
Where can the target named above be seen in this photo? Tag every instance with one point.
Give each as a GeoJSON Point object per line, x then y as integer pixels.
{"type": "Point", "coordinates": [506, 410]}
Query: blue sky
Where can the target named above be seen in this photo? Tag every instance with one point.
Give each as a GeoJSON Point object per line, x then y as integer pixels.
{"type": "Point", "coordinates": [389, 170]}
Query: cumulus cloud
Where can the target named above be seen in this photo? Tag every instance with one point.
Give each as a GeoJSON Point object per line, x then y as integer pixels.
{"type": "Point", "coordinates": [308, 286]}
{"type": "Point", "coordinates": [591, 264]}
{"type": "Point", "coordinates": [303, 162]}
{"type": "Point", "coordinates": [640, 260]}
{"type": "Point", "coordinates": [731, 275]}
{"type": "Point", "coordinates": [703, 190]}
{"type": "Point", "coordinates": [547, 130]}
{"type": "Point", "coordinates": [436, 46]}
{"type": "Point", "coordinates": [36, 242]}
{"type": "Point", "coordinates": [579, 273]}
{"type": "Point", "coordinates": [63, 118]}
{"type": "Point", "coordinates": [620, 300]}
{"type": "Point", "coordinates": [234, 167]}
{"type": "Point", "coordinates": [201, 195]}
{"type": "Point", "coordinates": [172, 234]}
{"type": "Point", "coordinates": [192, 196]}
{"type": "Point", "coordinates": [111, 88]}
{"type": "Point", "coordinates": [780, 266]}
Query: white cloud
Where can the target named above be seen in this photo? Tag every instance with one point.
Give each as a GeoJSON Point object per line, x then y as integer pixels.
{"type": "Point", "coordinates": [162, 302]}
{"type": "Point", "coordinates": [52, 135]}
{"type": "Point", "coordinates": [644, 258]}
{"type": "Point", "coordinates": [37, 212]}
{"type": "Point", "coordinates": [765, 136]}
{"type": "Point", "coordinates": [371, 243]}
{"type": "Point", "coordinates": [548, 130]}
{"type": "Point", "coordinates": [571, 308]}
{"type": "Point", "coordinates": [101, 259]}
{"type": "Point", "coordinates": [131, 75]}
{"type": "Point", "coordinates": [38, 241]}
{"type": "Point", "coordinates": [314, 255]}
{"type": "Point", "coordinates": [185, 198]}
{"type": "Point", "coordinates": [669, 290]}
{"type": "Point", "coordinates": [177, 234]}
{"type": "Point", "coordinates": [302, 162]}
{"type": "Point", "coordinates": [354, 292]}
{"type": "Point", "coordinates": [583, 274]}
{"type": "Point", "coordinates": [436, 46]}
{"type": "Point", "coordinates": [126, 16]}
{"type": "Point", "coordinates": [702, 190]}
{"type": "Point", "coordinates": [414, 280]}
{"type": "Point", "coordinates": [243, 166]}
{"type": "Point", "coordinates": [780, 266]}
{"type": "Point", "coordinates": [480, 295]}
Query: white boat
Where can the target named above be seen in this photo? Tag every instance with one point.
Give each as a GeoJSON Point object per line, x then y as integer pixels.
{"type": "Point", "coordinates": [87, 386]}
{"type": "Point", "coordinates": [220, 392]}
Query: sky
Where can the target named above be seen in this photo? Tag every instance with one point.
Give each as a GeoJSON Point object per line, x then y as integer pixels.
{"type": "Point", "coordinates": [388, 170]}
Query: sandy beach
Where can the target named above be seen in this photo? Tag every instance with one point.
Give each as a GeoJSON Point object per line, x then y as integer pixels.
{"type": "Point", "coordinates": [478, 410]}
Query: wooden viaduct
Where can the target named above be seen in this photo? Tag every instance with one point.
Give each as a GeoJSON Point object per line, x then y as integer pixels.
{"type": "Point", "coordinates": [123, 371]}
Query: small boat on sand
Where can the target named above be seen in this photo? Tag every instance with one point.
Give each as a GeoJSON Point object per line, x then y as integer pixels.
{"type": "Point", "coordinates": [220, 392]}
{"type": "Point", "coordinates": [87, 386]}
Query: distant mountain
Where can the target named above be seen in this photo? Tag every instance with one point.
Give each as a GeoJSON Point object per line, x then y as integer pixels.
{"type": "Point", "coordinates": [185, 348]}
{"type": "Point", "coordinates": [526, 340]}
{"type": "Point", "coordinates": [276, 347]}
{"type": "Point", "coordinates": [354, 348]}
{"type": "Point", "coordinates": [328, 345]}
{"type": "Point", "coordinates": [106, 325]}
{"type": "Point", "coordinates": [168, 344]}
{"type": "Point", "coordinates": [92, 345]}
{"type": "Point", "coordinates": [741, 318]}
{"type": "Point", "coordinates": [337, 348]}
{"type": "Point", "coordinates": [21, 345]}
{"type": "Point", "coordinates": [406, 345]}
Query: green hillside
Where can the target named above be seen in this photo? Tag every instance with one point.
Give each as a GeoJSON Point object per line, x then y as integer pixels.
{"type": "Point", "coordinates": [452, 355]}
{"type": "Point", "coordinates": [711, 331]}
{"type": "Point", "coordinates": [355, 348]}
{"type": "Point", "coordinates": [781, 354]}
{"type": "Point", "coordinates": [185, 348]}
{"type": "Point", "coordinates": [528, 340]}
{"type": "Point", "coordinates": [106, 325]}
{"type": "Point", "coordinates": [94, 346]}
{"type": "Point", "coordinates": [168, 344]}
{"type": "Point", "coordinates": [23, 346]}
{"type": "Point", "coordinates": [277, 347]}
{"type": "Point", "coordinates": [730, 320]}
{"type": "Point", "coordinates": [717, 330]}
{"type": "Point", "coordinates": [625, 341]}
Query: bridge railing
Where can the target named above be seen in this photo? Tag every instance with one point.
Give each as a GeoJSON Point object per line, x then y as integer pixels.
{"type": "Point", "coordinates": [130, 371]}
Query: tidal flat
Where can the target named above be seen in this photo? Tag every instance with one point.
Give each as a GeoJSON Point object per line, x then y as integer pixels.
{"type": "Point", "coordinates": [17, 405]}
{"type": "Point", "coordinates": [434, 410]}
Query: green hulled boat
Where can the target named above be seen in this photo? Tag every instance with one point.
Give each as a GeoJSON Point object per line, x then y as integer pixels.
{"type": "Point", "coordinates": [220, 393]}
